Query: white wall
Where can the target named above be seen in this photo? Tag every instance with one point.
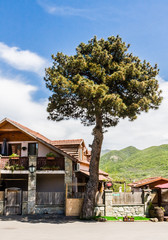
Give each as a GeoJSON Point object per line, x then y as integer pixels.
{"type": "Point", "coordinates": [42, 149]}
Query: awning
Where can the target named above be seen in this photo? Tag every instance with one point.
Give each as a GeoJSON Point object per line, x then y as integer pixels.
{"type": "Point", "coordinates": [163, 186]}
{"type": "Point", "coordinates": [101, 177]}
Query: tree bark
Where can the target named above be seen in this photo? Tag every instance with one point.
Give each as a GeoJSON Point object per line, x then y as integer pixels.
{"type": "Point", "coordinates": [92, 185]}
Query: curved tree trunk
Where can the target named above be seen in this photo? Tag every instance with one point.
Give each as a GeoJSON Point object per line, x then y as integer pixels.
{"type": "Point", "coordinates": [92, 185]}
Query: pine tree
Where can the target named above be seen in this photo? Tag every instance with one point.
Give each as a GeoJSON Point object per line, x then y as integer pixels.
{"type": "Point", "coordinates": [99, 85]}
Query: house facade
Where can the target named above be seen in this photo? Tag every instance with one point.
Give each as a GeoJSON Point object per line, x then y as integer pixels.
{"type": "Point", "coordinates": [157, 188]}
{"type": "Point", "coordinates": [31, 182]}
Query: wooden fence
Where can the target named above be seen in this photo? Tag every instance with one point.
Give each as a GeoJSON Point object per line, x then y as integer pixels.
{"type": "Point", "coordinates": [1, 196]}
{"type": "Point", "coordinates": [50, 198]}
{"type": "Point", "coordinates": [127, 198]}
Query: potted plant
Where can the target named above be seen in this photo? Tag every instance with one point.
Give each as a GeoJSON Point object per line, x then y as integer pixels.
{"type": "Point", "coordinates": [151, 210]}
{"type": "Point", "coordinates": [18, 167]}
{"type": "Point", "coordinates": [50, 156]}
{"type": "Point", "coordinates": [131, 219]}
{"type": "Point", "coordinates": [108, 185]}
{"type": "Point", "coordinates": [14, 159]}
{"type": "Point", "coordinates": [7, 167]}
{"type": "Point", "coordinates": [14, 156]}
{"type": "Point", "coordinates": [46, 167]}
{"type": "Point", "coordinates": [125, 219]}
{"type": "Point", "coordinates": [128, 219]}
{"type": "Point", "coordinates": [13, 167]}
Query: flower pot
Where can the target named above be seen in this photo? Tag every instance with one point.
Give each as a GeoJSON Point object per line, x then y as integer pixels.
{"type": "Point", "coordinates": [125, 219]}
{"type": "Point", "coordinates": [50, 158]}
{"type": "Point", "coordinates": [131, 219]}
{"type": "Point", "coordinates": [108, 185]}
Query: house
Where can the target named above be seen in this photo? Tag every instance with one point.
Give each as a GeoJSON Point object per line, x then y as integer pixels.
{"type": "Point", "coordinates": [158, 190]}
{"type": "Point", "coordinates": [147, 183]}
{"type": "Point", "coordinates": [29, 181]}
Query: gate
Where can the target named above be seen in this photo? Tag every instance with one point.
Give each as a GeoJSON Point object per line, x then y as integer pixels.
{"type": "Point", "coordinates": [13, 201]}
{"type": "Point", "coordinates": [74, 199]}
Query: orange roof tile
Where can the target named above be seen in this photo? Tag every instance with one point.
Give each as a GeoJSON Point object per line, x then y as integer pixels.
{"type": "Point", "coordinates": [36, 134]}
{"type": "Point", "coordinates": [67, 142]}
{"type": "Point", "coordinates": [146, 181]}
{"type": "Point", "coordinates": [101, 177]}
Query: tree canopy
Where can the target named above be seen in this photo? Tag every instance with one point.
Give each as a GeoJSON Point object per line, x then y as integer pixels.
{"type": "Point", "coordinates": [101, 78]}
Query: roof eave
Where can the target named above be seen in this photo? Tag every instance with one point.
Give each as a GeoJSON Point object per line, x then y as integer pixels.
{"type": "Point", "coordinates": [40, 140]}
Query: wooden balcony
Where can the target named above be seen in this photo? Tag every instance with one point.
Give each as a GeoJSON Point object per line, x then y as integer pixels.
{"type": "Point", "coordinates": [22, 162]}
{"type": "Point", "coordinates": [44, 164]}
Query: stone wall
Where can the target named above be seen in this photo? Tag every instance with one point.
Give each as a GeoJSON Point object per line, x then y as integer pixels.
{"type": "Point", "coordinates": [32, 186]}
{"type": "Point", "coordinates": [24, 208]}
{"type": "Point", "coordinates": [68, 170]}
{"type": "Point", "coordinates": [1, 207]}
{"type": "Point", "coordinates": [45, 209]}
{"type": "Point", "coordinates": [118, 210]}
{"type": "Point", "coordinates": [127, 210]}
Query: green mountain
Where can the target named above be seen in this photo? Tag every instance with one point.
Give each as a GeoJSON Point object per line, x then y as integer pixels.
{"type": "Point", "coordinates": [105, 151]}
{"type": "Point", "coordinates": [132, 164]}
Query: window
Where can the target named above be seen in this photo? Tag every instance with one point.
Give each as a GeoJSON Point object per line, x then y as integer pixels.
{"type": "Point", "coordinates": [14, 148]}
{"type": "Point", "coordinates": [32, 149]}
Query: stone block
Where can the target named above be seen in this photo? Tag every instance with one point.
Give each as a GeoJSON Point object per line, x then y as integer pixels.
{"type": "Point", "coordinates": [31, 208]}
{"type": "Point", "coordinates": [24, 208]}
{"type": "Point", "coordinates": [49, 209]}
{"type": "Point", "coordinates": [120, 209]}
{"type": "Point", "coordinates": [1, 207]}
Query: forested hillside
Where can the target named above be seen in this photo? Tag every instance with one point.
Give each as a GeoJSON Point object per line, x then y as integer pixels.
{"type": "Point", "coordinates": [132, 164]}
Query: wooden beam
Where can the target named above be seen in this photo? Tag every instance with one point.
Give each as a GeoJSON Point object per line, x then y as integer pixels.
{"type": "Point", "coordinates": [13, 179]}
{"type": "Point", "coordinates": [9, 130]}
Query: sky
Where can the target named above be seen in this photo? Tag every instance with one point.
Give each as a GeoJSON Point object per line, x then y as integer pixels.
{"type": "Point", "coordinates": [32, 30]}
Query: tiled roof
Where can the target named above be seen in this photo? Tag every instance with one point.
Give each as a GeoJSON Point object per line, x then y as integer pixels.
{"type": "Point", "coordinates": [36, 134]}
{"type": "Point", "coordinates": [163, 186]}
{"type": "Point", "coordinates": [57, 143]}
{"type": "Point", "coordinates": [146, 181]}
{"type": "Point", "coordinates": [67, 142]}
{"type": "Point", "coordinates": [101, 176]}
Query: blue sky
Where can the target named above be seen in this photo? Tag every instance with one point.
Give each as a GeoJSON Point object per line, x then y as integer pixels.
{"type": "Point", "coordinates": [32, 30]}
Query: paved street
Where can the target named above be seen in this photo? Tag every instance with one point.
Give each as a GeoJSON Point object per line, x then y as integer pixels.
{"type": "Point", "coordinates": [47, 229]}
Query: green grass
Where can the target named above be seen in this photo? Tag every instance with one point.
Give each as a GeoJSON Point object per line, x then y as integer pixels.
{"type": "Point", "coordinates": [121, 218]}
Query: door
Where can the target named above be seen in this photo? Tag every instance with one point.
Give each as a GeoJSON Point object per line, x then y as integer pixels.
{"type": "Point", "coordinates": [13, 201]}
{"type": "Point", "coordinates": [14, 148]}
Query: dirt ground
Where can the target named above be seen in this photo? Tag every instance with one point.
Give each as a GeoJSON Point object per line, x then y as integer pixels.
{"type": "Point", "coordinates": [61, 228]}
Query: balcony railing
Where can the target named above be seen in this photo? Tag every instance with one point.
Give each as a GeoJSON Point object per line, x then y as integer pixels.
{"type": "Point", "coordinates": [44, 164]}
{"type": "Point", "coordinates": [22, 162]}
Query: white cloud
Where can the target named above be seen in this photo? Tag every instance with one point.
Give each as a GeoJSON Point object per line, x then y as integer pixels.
{"type": "Point", "coordinates": [16, 103]}
{"type": "Point", "coordinates": [51, 8]}
{"type": "Point", "coordinates": [148, 130]}
{"type": "Point", "coordinates": [22, 59]}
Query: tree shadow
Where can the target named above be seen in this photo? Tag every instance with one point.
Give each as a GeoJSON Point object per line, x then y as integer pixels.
{"type": "Point", "coordinates": [43, 218]}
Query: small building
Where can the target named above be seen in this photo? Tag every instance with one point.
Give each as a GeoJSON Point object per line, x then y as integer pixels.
{"type": "Point", "coordinates": [32, 183]}
{"type": "Point", "coordinates": [147, 183]}
{"type": "Point", "coordinates": [158, 188]}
